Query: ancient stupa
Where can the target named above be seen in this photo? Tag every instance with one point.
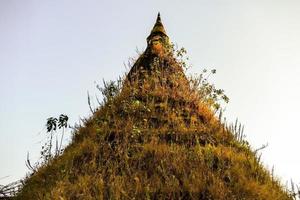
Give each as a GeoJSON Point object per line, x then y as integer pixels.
{"type": "Point", "coordinates": [156, 138]}
{"type": "Point", "coordinates": [158, 56]}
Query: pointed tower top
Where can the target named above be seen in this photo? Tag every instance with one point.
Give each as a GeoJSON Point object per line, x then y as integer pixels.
{"type": "Point", "coordinates": [158, 17]}
{"type": "Point", "coordinates": [158, 28]}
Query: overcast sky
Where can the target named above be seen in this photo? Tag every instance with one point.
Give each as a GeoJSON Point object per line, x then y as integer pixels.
{"type": "Point", "coordinates": [53, 52]}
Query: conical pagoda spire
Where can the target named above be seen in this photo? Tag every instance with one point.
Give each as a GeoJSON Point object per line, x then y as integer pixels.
{"type": "Point", "coordinates": [158, 40]}
{"type": "Point", "coordinates": [158, 28]}
{"type": "Point", "coordinates": [158, 46]}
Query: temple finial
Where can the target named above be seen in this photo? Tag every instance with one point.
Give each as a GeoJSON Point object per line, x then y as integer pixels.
{"type": "Point", "coordinates": [158, 28]}
{"type": "Point", "coordinates": [158, 17]}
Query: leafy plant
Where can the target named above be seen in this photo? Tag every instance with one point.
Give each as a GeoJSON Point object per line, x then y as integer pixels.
{"type": "Point", "coordinates": [47, 153]}
{"type": "Point", "coordinates": [52, 125]}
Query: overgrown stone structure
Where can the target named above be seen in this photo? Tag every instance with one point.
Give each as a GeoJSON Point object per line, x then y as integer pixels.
{"type": "Point", "coordinates": [158, 55]}
{"type": "Point", "coordinates": [155, 137]}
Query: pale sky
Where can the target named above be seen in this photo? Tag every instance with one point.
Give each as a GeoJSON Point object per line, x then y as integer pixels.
{"type": "Point", "coordinates": [52, 52]}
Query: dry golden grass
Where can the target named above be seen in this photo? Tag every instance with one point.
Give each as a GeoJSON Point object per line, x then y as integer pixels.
{"type": "Point", "coordinates": [158, 138]}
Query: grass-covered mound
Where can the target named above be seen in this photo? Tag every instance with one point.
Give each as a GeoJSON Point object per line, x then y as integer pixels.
{"type": "Point", "coordinates": [155, 138]}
